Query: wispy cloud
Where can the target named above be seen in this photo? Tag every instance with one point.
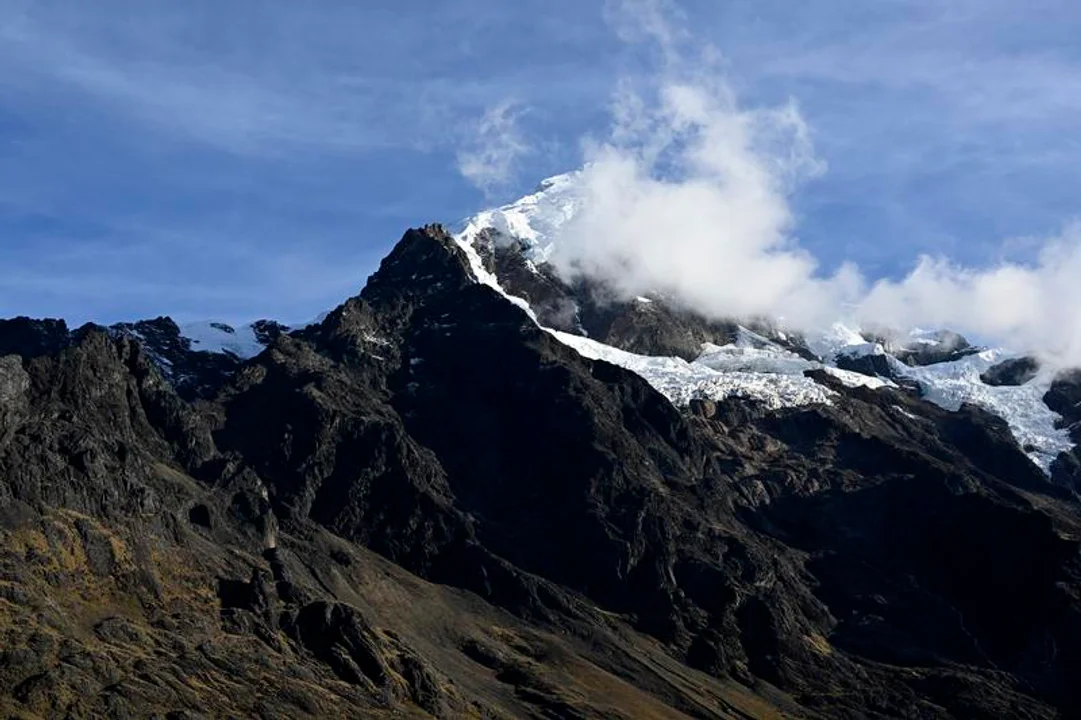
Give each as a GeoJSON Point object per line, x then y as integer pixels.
{"type": "Point", "coordinates": [688, 194]}
{"type": "Point", "coordinates": [235, 106]}
{"type": "Point", "coordinates": [946, 123]}
{"type": "Point", "coordinates": [659, 23]}
{"type": "Point", "coordinates": [489, 158]}
{"type": "Point", "coordinates": [263, 81]}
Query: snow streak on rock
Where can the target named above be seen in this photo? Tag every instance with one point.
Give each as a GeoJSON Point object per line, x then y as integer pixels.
{"type": "Point", "coordinates": [681, 381]}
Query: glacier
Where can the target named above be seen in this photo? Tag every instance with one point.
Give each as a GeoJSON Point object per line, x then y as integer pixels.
{"type": "Point", "coordinates": [756, 368]}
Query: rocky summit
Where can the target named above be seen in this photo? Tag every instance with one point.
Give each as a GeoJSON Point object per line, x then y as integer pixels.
{"type": "Point", "coordinates": [479, 490]}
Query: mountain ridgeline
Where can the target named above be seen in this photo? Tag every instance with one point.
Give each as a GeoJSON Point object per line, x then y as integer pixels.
{"type": "Point", "coordinates": [427, 505]}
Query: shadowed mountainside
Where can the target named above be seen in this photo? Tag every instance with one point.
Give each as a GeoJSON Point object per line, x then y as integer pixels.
{"type": "Point", "coordinates": [426, 505]}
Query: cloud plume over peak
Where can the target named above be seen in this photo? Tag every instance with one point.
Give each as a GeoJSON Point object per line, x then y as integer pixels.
{"type": "Point", "coordinates": [490, 159]}
{"type": "Point", "coordinates": [689, 193]}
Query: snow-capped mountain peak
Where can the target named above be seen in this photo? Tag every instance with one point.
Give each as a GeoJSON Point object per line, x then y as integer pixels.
{"type": "Point", "coordinates": [535, 219]}
{"type": "Point", "coordinates": [771, 368]}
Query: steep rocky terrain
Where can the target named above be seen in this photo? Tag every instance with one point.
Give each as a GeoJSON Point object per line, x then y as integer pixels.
{"type": "Point", "coordinates": [428, 505]}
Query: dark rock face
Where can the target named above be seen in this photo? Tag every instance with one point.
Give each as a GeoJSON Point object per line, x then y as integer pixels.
{"type": "Point", "coordinates": [946, 347]}
{"type": "Point", "coordinates": [1015, 371]}
{"type": "Point", "coordinates": [872, 365]}
{"type": "Point", "coordinates": [33, 338]}
{"type": "Point", "coordinates": [877, 365]}
{"type": "Point", "coordinates": [267, 331]}
{"type": "Point", "coordinates": [648, 328]}
{"type": "Point", "coordinates": [1064, 397]}
{"type": "Point", "coordinates": [425, 505]}
{"type": "Point", "coordinates": [194, 374]}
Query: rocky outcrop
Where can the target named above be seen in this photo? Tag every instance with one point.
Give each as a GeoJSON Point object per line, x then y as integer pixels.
{"type": "Point", "coordinates": [870, 364]}
{"type": "Point", "coordinates": [193, 373]}
{"type": "Point", "coordinates": [942, 346]}
{"type": "Point", "coordinates": [29, 338]}
{"type": "Point", "coordinates": [1064, 397]}
{"type": "Point", "coordinates": [1014, 371]}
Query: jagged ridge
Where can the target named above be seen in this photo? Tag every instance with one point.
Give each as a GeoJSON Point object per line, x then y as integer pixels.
{"type": "Point", "coordinates": [875, 555]}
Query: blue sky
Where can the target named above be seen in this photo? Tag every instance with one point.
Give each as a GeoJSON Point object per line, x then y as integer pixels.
{"type": "Point", "coordinates": [256, 159]}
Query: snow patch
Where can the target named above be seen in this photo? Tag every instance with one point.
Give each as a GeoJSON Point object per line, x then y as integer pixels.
{"type": "Point", "coordinates": [949, 384]}
{"type": "Point", "coordinates": [840, 339]}
{"type": "Point", "coordinates": [906, 413]}
{"type": "Point", "coordinates": [681, 381]}
{"type": "Point", "coordinates": [534, 219]}
{"type": "Point", "coordinates": [743, 358]}
{"type": "Point", "coordinates": [216, 337]}
{"type": "Point", "coordinates": [752, 352]}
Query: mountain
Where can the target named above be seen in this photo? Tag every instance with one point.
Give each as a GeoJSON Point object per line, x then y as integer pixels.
{"type": "Point", "coordinates": [510, 249]}
{"type": "Point", "coordinates": [477, 490]}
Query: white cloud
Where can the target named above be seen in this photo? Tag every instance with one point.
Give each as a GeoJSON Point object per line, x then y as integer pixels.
{"type": "Point", "coordinates": [653, 21]}
{"type": "Point", "coordinates": [688, 194]}
{"type": "Point", "coordinates": [490, 158]}
{"type": "Point", "coordinates": [1035, 307]}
